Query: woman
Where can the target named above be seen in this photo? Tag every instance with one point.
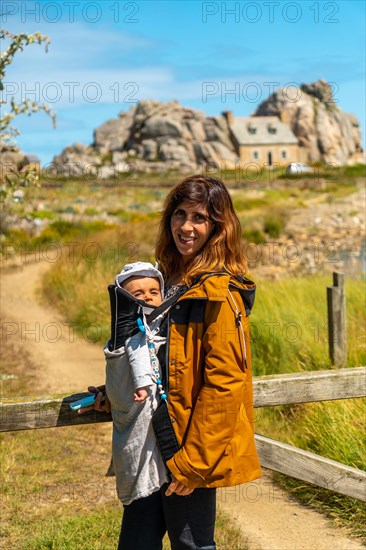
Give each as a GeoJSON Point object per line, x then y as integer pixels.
{"type": "Point", "coordinates": [207, 371]}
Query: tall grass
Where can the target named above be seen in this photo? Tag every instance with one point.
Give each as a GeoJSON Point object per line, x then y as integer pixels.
{"type": "Point", "coordinates": [77, 285]}
{"type": "Point", "coordinates": [59, 232]}
{"type": "Point", "coordinates": [289, 324]}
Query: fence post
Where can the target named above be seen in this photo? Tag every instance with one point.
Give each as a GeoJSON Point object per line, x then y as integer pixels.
{"type": "Point", "coordinates": [337, 337]}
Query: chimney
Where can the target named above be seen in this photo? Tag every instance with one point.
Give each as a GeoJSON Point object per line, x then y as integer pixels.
{"type": "Point", "coordinates": [229, 117]}
{"type": "Point", "coordinates": [285, 117]}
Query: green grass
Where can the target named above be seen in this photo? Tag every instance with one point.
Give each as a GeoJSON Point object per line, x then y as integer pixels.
{"type": "Point", "coordinates": [67, 532]}
{"type": "Point", "coordinates": [43, 214]}
{"type": "Point", "coordinates": [58, 232]}
{"type": "Point", "coordinates": [253, 236]}
{"type": "Point", "coordinates": [50, 499]}
{"type": "Point", "coordinates": [274, 223]}
{"type": "Point", "coordinates": [331, 173]}
{"type": "Point", "coordinates": [67, 205]}
{"type": "Point", "coordinates": [289, 324]}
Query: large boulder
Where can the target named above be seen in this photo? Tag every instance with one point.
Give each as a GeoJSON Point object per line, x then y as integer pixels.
{"type": "Point", "coordinates": [215, 133]}
{"type": "Point", "coordinates": [113, 134]}
{"type": "Point", "coordinates": [161, 134]}
{"type": "Point", "coordinates": [77, 160]}
{"type": "Point", "coordinates": [161, 126]}
{"type": "Point", "coordinates": [149, 149]}
{"type": "Point", "coordinates": [172, 149]}
{"type": "Point", "coordinates": [195, 127]}
{"type": "Point", "coordinates": [206, 154]}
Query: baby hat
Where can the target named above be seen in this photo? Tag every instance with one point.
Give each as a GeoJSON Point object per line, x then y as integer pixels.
{"type": "Point", "coordinates": [140, 269]}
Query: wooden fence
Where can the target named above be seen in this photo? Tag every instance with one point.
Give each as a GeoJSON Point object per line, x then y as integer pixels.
{"type": "Point", "coordinates": [47, 412]}
{"type": "Point", "coordinates": [337, 334]}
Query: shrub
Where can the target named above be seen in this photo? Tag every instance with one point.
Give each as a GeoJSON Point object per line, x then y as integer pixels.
{"type": "Point", "coordinates": [274, 224]}
{"type": "Point", "coordinates": [43, 214]}
{"type": "Point", "coordinates": [254, 236]}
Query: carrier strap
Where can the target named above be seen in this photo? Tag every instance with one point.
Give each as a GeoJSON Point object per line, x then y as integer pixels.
{"type": "Point", "coordinates": [165, 305]}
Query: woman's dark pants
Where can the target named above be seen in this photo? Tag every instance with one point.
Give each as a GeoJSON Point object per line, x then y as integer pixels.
{"type": "Point", "coordinates": [190, 521]}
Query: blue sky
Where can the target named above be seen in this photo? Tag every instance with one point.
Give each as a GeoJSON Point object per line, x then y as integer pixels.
{"type": "Point", "coordinates": [209, 55]}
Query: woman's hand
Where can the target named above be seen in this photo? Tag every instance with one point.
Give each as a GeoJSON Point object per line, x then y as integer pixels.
{"type": "Point", "coordinates": [98, 405]}
{"type": "Point", "coordinates": [178, 488]}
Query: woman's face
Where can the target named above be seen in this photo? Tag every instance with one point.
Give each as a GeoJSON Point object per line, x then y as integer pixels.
{"type": "Point", "coordinates": [190, 227]}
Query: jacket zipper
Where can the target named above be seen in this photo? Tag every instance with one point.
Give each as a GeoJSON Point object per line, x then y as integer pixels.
{"type": "Point", "coordinates": [239, 325]}
{"type": "Point", "coordinates": [168, 343]}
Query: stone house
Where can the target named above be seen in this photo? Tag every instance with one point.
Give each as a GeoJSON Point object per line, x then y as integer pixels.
{"type": "Point", "coordinates": [264, 140]}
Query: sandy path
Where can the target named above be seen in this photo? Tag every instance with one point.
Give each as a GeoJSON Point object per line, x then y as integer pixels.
{"type": "Point", "coordinates": [271, 520]}
{"type": "Point", "coordinates": [66, 361]}
{"type": "Point", "coordinates": [267, 516]}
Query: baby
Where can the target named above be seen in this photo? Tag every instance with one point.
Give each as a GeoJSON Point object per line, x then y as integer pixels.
{"type": "Point", "coordinates": [146, 283]}
{"type": "Point", "coordinates": [146, 289]}
{"type": "Point", "coordinates": [133, 383]}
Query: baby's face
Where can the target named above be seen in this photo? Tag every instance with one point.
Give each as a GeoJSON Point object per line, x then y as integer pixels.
{"type": "Point", "coordinates": [144, 288]}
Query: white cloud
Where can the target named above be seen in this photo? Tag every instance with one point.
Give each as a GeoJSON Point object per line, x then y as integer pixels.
{"type": "Point", "coordinates": [78, 45]}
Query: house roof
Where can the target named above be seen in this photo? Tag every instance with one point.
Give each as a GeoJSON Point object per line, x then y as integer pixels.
{"type": "Point", "coordinates": [262, 130]}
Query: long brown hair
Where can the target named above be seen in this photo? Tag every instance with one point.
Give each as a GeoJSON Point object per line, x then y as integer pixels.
{"type": "Point", "coordinates": [222, 250]}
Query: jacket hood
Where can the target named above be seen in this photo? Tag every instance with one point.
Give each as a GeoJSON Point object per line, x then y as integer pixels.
{"type": "Point", "coordinates": [216, 285]}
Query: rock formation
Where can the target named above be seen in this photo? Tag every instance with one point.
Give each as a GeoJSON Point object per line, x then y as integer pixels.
{"type": "Point", "coordinates": [11, 158]}
{"type": "Point", "coordinates": [328, 134]}
{"type": "Point", "coordinates": [155, 137]}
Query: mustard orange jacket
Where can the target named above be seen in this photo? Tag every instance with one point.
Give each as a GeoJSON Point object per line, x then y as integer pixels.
{"type": "Point", "coordinates": [210, 394]}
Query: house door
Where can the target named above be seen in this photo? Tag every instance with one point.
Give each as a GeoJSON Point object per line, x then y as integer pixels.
{"type": "Point", "coordinates": [269, 158]}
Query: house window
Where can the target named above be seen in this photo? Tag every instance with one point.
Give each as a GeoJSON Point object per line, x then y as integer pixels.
{"type": "Point", "coordinates": [252, 130]}
{"type": "Point", "coordinates": [255, 155]}
{"type": "Point", "coordinates": [283, 154]}
{"type": "Point", "coordinates": [272, 130]}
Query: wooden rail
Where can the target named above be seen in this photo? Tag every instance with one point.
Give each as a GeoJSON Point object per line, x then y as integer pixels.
{"type": "Point", "coordinates": [311, 468]}
{"type": "Point", "coordinates": [27, 413]}
{"type": "Point", "coordinates": [45, 412]}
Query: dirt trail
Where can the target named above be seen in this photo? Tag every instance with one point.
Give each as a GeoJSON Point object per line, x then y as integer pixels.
{"type": "Point", "coordinates": [271, 520]}
{"type": "Point", "coordinates": [267, 516]}
{"type": "Point", "coordinates": [66, 361]}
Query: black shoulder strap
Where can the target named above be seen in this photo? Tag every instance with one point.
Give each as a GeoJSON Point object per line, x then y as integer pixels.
{"type": "Point", "coordinates": [166, 304]}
